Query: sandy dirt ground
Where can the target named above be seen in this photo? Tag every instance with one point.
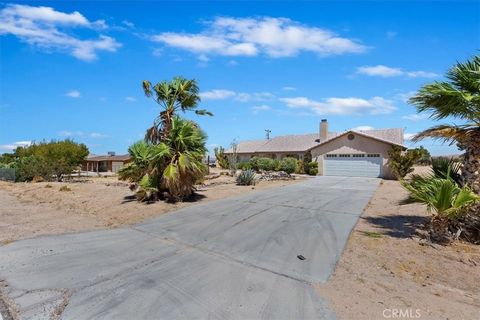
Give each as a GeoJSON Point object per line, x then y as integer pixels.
{"type": "Point", "coordinates": [33, 209]}
{"type": "Point", "coordinates": [387, 268]}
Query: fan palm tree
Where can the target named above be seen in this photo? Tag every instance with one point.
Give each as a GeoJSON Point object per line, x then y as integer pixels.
{"type": "Point", "coordinates": [177, 94]}
{"type": "Point", "coordinates": [173, 165]}
{"type": "Point", "coordinates": [459, 97]}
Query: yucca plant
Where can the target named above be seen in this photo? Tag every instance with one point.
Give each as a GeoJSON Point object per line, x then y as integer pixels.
{"type": "Point", "coordinates": [247, 178]}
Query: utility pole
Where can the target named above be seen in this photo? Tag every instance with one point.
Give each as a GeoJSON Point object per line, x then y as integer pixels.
{"type": "Point", "coordinates": [268, 133]}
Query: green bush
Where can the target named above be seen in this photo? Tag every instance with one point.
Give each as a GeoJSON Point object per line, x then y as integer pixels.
{"type": "Point", "coordinates": [246, 178]}
{"type": "Point", "coordinates": [312, 168]}
{"type": "Point", "coordinates": [31, 166]}
{"type": "Point", "coordinates": [49, 160]}
{"type": "Point", "coordinates": [263, 163]}
{"type": "Point", "coordinates": [401, 163]}
{"type": "Point", "coordinates": [221, 157]}
{"type": "Point", "coordinates": [244, 165]}
{"type": "Point", "coordinates": [288, 165]}
{"type": "Point", "coordinates": [300, 167]}
{"type": "Point", "coordinates": [276, 164]}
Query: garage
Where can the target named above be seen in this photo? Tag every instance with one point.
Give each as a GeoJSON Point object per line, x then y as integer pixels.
{"type": "Point", "coordinates": [353, 165]}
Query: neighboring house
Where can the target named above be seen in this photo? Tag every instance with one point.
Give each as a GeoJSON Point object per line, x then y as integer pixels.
{"type": "Point", "coordinates": [105, 163]}
{"type": "Point", "coordinates": [351, 153]}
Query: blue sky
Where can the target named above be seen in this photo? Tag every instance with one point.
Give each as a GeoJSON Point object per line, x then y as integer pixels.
{"type": "Point", "coordinates": [74, 69]}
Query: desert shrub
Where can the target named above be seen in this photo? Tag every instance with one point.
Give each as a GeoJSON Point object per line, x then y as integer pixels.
{"type": "Point", "coordinates": [424, 156]}
{"type": "Point", "coordinates": [31, 166]}
{"type": "Point", "coordinates": [276, 164]}
{"type": "Point", "coordinates": [300, 167]}
{"type": "Point", "coordinates": [246, 178]}
{"type": "Point", "coordinates": [288, 165]}
{"type": "Point", "coordinates": [49, 160]}
{"type": "Point", "coordinates": [401, 163]}
{"type": "Point", "coordinates": [48, 186]}
{"type": "Point", "coordinates": [65, 188]}
{"type": "Point", "coordinates": [312, 168]}
{"type": "Point", "coordinates": [221, 157]}
{"type": "Point", "coordinates": [244, 165]}
{"type": "Point", "coordinates": [266, 164]}
{"type": "Point", "coordinates": [444, 167]}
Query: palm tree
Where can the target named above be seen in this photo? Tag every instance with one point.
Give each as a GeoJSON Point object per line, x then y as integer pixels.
{"type": "Point", "coordinates": [172, 96]}
{"type": "Point", "coordinates": [172, 166]}
{"type": "Point", "coordinates": [186, 142]}
{"type": "Point", "coordinates": [459, 97]}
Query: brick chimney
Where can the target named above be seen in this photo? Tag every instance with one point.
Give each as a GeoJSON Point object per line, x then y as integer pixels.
{"type": "Point", "coordinates": [323, 130]}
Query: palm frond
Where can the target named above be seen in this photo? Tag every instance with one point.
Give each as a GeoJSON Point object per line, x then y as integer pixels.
{"type": "Point", "coordinates": [446, 133]}
{"type": "Point", "coordinates": [459, 97]}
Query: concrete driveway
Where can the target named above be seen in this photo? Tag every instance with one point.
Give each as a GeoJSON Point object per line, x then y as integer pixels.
{"type": "Point", "coordinates": [234, 258]}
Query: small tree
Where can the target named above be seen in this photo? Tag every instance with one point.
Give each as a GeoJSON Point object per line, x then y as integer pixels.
{"type": "Point", "coordinates": [49, 159]}
{"type": "Point", "coordinates": [425, 157]}
{"type": "Point", "coordinates": [232, 159]}
{"type": "Point", "coordinates": [221, 157]}
{"type": "Point", "coordinates": [401, 163]}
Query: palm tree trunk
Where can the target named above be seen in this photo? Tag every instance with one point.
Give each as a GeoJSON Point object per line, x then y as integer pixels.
{"type": "Point", "coordinates": [471, 164]}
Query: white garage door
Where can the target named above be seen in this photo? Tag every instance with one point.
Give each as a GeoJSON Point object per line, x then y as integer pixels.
{"type": "Point", "coordinates": [353, 165]}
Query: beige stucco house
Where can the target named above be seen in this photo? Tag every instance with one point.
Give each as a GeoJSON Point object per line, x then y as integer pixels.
{"type": "Point", "coordinates": [348, 153]}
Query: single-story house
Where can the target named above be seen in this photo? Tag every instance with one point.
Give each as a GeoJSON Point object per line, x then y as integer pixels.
{"type": "Point", "coordinates": [105, 163]}
{"type": "Point", "coordinates": [361, 153]}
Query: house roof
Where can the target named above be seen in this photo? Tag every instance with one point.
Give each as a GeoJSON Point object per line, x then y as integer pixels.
{"type": "Point", "coordinates": [304, 142]}
{"type": "Point", "coordinates": [122, 157]}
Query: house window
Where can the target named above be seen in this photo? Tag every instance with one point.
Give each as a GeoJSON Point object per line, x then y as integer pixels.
{"type": "Point", "coordinates": [351, 136]}
{"type": "Point", "coordinates": [358, 155]}
{"type": "Point", "coordinates": [344, 156]}
{"type": "Point", "coordinates": [373, 155]}
{"type": "Point", "coordinates": [331, 155]}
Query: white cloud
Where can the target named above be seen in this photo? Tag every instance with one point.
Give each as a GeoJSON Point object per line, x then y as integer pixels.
{"type": "Point", "coordinates": [12, 146]}
{"type": "Point", "coordinates": [128, 23]}
{"type": "Point", "coordinates": [289, 88]}
{"type": "Point", "coordinates": [380, 70]}
{"type": "Point", "coordinates": [256, 96]}
{"type": "Point", "coordinates": [66, 133]}
{"type": "Point", "coordinates": [415, 117]}
{"type": "Point", "coordinates": [217, 94]}
{"type": "Point", "coordinates": [45, 28]}
{"type": "Point", "coordinates": [274, 37]}
{"type": "Point", "coordinates": [73, 94]}
{"type": "Point", "coordinates": [131, 99]}
{"type": "Point", "coordinates": [263, 107]}
{"type": "Point", "coordinates": [97, 135]}
{"type": "Point", "coordinates": [222, 94]}
{"type": "Point", "coordinates": [363, 128]}
{"type": "Point", "coordinates": [421, 74]}
{"type": "Point", "coordinates": [157, 52]}
{"type": "Point", "coordinates": [342, 106]}
{"type": "Point", "coordinates": [408, 136]}
{"type": "Point", "coordinates": [387, 72]}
